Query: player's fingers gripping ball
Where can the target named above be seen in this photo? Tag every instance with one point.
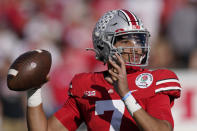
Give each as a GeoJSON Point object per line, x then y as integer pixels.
{"type": "Point", "coordinates": [29, 70]}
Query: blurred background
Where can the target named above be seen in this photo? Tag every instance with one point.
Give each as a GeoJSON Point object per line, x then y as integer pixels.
{"type": "Point", "coordinates": [64, 28]}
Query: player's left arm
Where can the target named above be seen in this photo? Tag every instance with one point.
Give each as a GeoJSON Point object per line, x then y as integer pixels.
{"type": "Point", "coordinates": [158, 115]}
{"type": "Point", "coordinates": [144, 120]}
{"type": "Point", "coordinates": [148, 123]}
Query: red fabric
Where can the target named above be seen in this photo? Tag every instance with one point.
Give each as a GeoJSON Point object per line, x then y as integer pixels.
{"type": "Point", "coordinates": [103, 109]}
{"type": "Point", "coordinates": [159, 107]}
{"type": "Point", "coordinates": [69, 115]}
{"type": "Point", "coordinates": [132, 69]}
{"type": "Point", "coordinates": [164, 74]}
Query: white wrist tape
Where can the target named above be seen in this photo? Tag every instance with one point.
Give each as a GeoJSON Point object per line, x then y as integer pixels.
{"type": "Point", "coordinates": [131, 104]}
{"type": "Point", "coordinates": [34, 97]}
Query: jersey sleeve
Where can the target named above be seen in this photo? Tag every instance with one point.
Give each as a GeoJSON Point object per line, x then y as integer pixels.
{"type": "Point", "coordinates": [69, 115]}
{"type": "Point", "coordinates": [159, 107]}
{"type": "Point", "coordinates": [167, 83]}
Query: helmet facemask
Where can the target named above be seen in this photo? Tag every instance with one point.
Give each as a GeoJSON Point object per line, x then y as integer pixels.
{"type": "Point", "coordinates": [137, 51]}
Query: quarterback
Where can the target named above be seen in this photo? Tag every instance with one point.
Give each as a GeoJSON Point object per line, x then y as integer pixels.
{"type": "Point", "coordinates": [124, 97]}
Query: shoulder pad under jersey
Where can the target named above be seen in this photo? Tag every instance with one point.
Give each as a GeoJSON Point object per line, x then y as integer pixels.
{"type": "Point", "coordinates": [78, 83]}
{"type": "Point", "coordinates": [167, 82]}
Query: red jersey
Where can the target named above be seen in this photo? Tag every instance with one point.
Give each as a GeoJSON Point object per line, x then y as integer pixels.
{"type": "Point", "coordinates": [94, 101]}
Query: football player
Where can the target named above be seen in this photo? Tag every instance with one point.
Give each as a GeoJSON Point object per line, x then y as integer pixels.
{"type": "Point", "coordinates": [126, 96]}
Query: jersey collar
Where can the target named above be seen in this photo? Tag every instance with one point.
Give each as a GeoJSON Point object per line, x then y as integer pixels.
{"type": "Point", "coordinates": [132, 69]}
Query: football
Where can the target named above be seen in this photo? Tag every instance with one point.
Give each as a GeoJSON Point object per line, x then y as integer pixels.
{"type": "Point", "coordinates": [29, 70]}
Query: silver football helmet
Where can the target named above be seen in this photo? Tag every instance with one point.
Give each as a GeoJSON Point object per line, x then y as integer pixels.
{"type": "Point", "coordinates": [116, 25]}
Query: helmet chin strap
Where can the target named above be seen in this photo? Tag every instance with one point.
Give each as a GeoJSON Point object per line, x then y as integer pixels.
{"type": "Point", "coordinates": [141, 58]}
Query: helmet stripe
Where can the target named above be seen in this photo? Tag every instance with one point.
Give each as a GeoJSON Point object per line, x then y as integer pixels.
{"type": "Point", "coordinates": [130, 15]}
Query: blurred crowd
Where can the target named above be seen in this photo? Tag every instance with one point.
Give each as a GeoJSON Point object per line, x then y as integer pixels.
{"type": "Point", "coordinates": [64, 27]}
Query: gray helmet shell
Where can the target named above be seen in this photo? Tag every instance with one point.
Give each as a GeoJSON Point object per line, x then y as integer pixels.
{"type": "Point", "coordinates": [112, 24]}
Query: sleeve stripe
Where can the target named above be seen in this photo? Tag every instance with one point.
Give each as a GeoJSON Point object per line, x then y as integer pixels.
{"type": "Point", "coordinates": [166, 81]}
{"type": "Point", "coordinates": [167, 89]}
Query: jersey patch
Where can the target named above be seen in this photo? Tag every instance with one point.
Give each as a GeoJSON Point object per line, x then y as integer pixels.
{"type": "Point", "coordinates": [89, 93]}
{"type": "Point", "coordinates": [144, 80]}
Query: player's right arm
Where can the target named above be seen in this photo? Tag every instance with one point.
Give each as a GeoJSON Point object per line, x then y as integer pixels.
{"type": "Point", "coordinates": [36, 118]}
{"type": "Point", "coordinates": [37, 121]}
{"type": "Point", "coordinates": [66, 118]}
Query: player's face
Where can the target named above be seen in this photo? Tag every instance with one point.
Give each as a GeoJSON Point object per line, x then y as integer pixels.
{"type": "Point", "coordinates": [132, 51]}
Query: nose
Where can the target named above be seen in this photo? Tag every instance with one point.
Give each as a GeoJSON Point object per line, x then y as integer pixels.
{"type": "Point", "coordinates": [137, 50]}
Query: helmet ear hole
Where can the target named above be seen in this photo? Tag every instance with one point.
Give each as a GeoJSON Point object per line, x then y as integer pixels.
{"type": "Point", "coordinates": [100, 47]}
{"type": "Point", "coordinates": [144, 60]}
